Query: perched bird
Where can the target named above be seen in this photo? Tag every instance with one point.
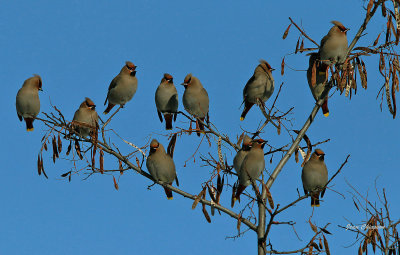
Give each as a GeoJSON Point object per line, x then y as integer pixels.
{"type": "Point", "coordinates": [161, 166]}
{"type": "Point", "coordinates": [260, 86]}
{"type": "Point", "coordinates": [122, 88]}
{"type": "Point", "coordinates": [195, 100]}
{"type": "Point", "coordinates": [28, 103]}
{"type": "Point", "coordinates": [321, 78]}
{"type": "Point", "coordinates": [333, 46]}
{"type": "Point", "coordinates": [252, 166]}
{"type": "Point", "coordinates": [241, 154]}
{"type": "Point", "coordinates": [85, 118]}
{"type": "Point", "coordinates": [315, 176]}
{"type": "Point", "coordinates": [167, 100]}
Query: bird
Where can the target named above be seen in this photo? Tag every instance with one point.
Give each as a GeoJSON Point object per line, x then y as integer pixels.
{"type": "Point", "coordinates": [122, 88]}
{"type": "Point", "coordinates": [85, 118]}
{"type": "Point", "coordinates": [195, 100]}
{"type": "Point", "coordinates": [315, 176]}
{"type": "Point", "coordinates": [333, 46]}
{"type": "Point", "coordinates": [321, 79]}
{"type": "Point", "coordinates": [241, 154]}
{"type": "Point", "coordinates": [252, 166]}
{"type": "Point", "coordinates": [161, 166]}
{"type": "Point", "coordinates": [259, 87]}
{"type": "Point", "coordinates": [167, 100]}
{"type": "Point", "coordinates": [27, 102]}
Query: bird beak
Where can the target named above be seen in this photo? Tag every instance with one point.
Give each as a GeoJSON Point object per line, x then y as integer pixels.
{"type": "Point", "coordinates": [272, 69]}
{"type": "Point", "coordinates": [40, 89]}
{"type": "Point", "coordinates": [93, 107]}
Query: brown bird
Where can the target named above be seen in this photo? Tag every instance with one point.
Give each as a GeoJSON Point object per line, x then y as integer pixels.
{"type": "Point", "coordinates": [122, 88]}
{"type": "Point", "coordinates": [260, 86]}
{"type": "Point", "coordinates": [167, 100]}
{"type": "Point", "coordinates": [161, 166]}
{"type": "Point", "coordinates": [195, 100]}
{"type": "Point", "coordinates": [28, 103]}
{"type": "Point", "coordinates": [321, 78]}
{"type": "Point", "coordinates": [241, 154]}
{"type": "Point", "coordinates": [85, 118]}
{"type": "Point", "coordinates": [315, 176]}
{"type": "Point", "coordinates": [333, 46]}
{"type": "Point", "coordinates": [252, 166]}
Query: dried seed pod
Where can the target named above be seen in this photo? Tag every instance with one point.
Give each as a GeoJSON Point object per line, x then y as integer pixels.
{"type": "Point", "coordinates": [198, 197]}
{"type": "Point", "coordinates": [286, 32]}
{"type": "Point", "coordinates": [283, 66]}
{"type": "Point", "coordinates": [59, 143]}
{"type": "Point", "coordinates": [297, 46]}
{"type": "Point", "coordinates": [69, 148]}
{"type": "Point", "coordinates": [313, 227]}
{"type": "Point", "coordinates": [239, 222]}
{"type": "Point", "coordinates": [206, 215]}
{"type": "Point", "coordinates": [269, 196]}
{"type": "Point", "coordinates": [101, 161]}
{"type": "Point", "coordinates": [39, 165]}
{"type": "Point", "coordinates": [115, 183]}
{"type": "Point", "coordinates": [78, 149]}
{"type": "Point", "coordinates": [326, 246]}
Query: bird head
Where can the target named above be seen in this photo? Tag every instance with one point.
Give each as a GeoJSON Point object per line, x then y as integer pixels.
{"type": "Point", "coordinates": [339, 27]}
{"type": "Point", "coordinates": [246, 142]}
{"type": "Point", "coordinates": [38, 81]}
{"type": "Point", "coordinates": [187, 81]}
{"type": "Point", "coordinates": [265, 66]}
{"type": "Point", "coordinates": [131, 68]}
{"type": "Point", "coordinates": [89, 103]}
{"type": "Point", "coordinates": [154, 146]}
{"type": "Point", "coordinates": [319, 154]}
{"type": "Point", "coordinates": [168, 78]}
{"type": "Point", "coordinates": [260, 143]}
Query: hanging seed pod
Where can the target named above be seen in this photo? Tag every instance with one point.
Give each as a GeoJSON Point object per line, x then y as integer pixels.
{"type": "Point", "coordinates": [39, 166]}
{"type": "Point", "coordinates": [59, 143]}
{"type": "Point", "coordinates": [78, 149]}
{"type": "Point", "coordinates": [69, 148]}
{"type": "Point", "coordinates": [313, 227]}
{"type": "Point", "coordinates": [101, 160]}
{"type": "Point", "coordinates": [286, 32]}
{"type": "Point", "coordinates": [239, 222]}
{"type": "Point", "coordinates": [115, 183]}
{"type": "Point", "coordinates": [121, 171]}
{"type": "Point", "coordinates": [198, 197]}
{"type": "Point", "coordinates": [269, 196]}
{"type": "Point", "coordinates": [297, 46]}
{"type": "Point", "coordinates": [326, 246]}
{"type": "Point", "coordinates": [283, 66]}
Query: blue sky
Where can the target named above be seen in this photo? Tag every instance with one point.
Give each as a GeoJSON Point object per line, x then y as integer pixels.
{"type": "Point", "coordinates": [79, 46]}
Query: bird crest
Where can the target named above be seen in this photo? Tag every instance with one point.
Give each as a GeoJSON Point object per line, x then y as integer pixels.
{"type": "Point", "coordinates": [130, 65]}
{"type": "Point", "coordinates": [339, 25]}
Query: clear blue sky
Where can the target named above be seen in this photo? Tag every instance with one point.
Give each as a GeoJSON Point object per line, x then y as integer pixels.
{"type": "Point", "coordinates": [79, 46]}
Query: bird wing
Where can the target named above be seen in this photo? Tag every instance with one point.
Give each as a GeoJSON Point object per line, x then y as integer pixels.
{"type": "Point", "coordinates": [113, 84]}
{"type": "Point", "coordinates": [323, 41]}
{"type": "Point", "coordinates": [19, 117]}
{"type": "Point", "coordinates": [251, 80]}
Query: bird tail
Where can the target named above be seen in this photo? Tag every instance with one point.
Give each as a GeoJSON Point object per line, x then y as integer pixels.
{"type": "Point", "coordinates": [239, 191]}
{"type": "Point", "coordinates": [247, 107]}
{"type": "Point", "coordinates": [168, 192]}
{"type": "Point", "coordinates": [168, 121]}
{"type": "Point", "coordinates": [29, 124]}
{"type": "Point", "coordinates": [325, 109]}
{"type": "Point", "coordinates": [200, 126]}
{"type": "Point", "coordinates": [315, 200]}
{"type": "Point", "coordinates": [109, 107]}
